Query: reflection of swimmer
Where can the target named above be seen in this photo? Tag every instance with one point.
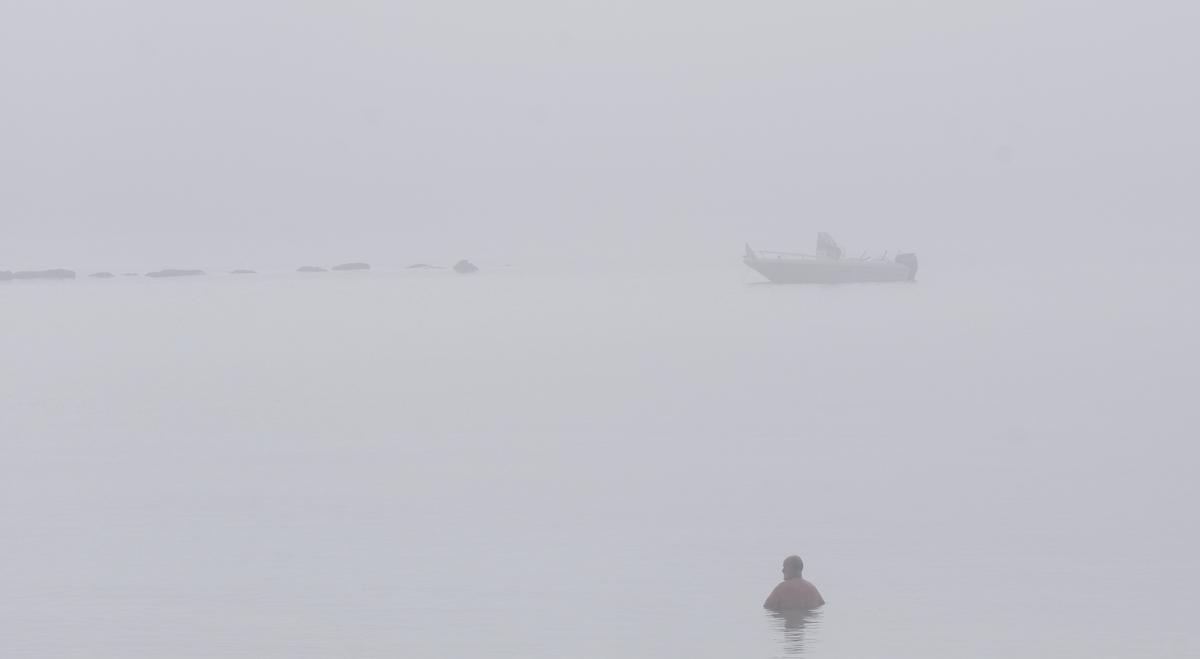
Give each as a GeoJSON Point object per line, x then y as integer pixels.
{"type": "Point", "coordinates": [793, 593]}
{"type": "Point", "coordinates": [792, 625]}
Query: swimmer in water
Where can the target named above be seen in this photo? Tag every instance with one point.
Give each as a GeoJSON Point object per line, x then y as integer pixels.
{"type": "Point", "coordinates": [793, 593]}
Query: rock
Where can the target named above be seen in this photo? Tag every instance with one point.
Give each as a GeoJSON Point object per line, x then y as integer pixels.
{"type": "Point", "coordinates": [352, 266]}
{"type": "Point", "coordinates": [243, 272]}
{"type": "Point", "coordinates": [171, 272]}
{"type": "Point", "coordinates": [44, 274]}
{"type": "Point", "coordinates": [310, 268]}
{"type": "Point", "coordinates": [425, 266]}
{"type": "Point", "coordinates": [102, 275]}
{"type": "Point", "coordinates": [465, 267]}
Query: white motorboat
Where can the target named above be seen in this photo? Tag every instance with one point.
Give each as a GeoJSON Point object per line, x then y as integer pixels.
{"type": "Point", "coordinates": [829, 266]}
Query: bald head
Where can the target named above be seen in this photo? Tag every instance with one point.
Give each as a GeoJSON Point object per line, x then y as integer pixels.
{"type": "Point", "coordinates": [793, 567]}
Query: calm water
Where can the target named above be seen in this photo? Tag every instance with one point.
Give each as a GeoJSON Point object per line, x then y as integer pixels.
{"type": "Point", "coordinates": [525, 464]}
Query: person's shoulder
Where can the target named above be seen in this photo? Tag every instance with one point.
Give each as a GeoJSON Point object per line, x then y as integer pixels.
{"type": "Point", "coordinates": [773, 600]}
{"type": "Point", "coordinates": [815, 594]}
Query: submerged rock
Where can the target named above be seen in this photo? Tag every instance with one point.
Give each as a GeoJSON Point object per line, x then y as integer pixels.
{"type": "Point", "coordinates": [465, 267]}
{"type": "Point", "coordinates": [131, 274]}
{"type": "Point", "coordinates": [58, 273]}
{"type": "Point", "coordinates": [352, 266]}
{"type": "Point", "coordinates": [102, 275]}
{"type": "Point", "coordinates": [310, 268]}
{"type": "Point", "coordinates": [6, 275]}
{"type": "Point", "coordinates": [243, 272]}
{"type": "Point", "coordinates": [172, 272]}
{"type": "Point", "coordinates": [425, 266]}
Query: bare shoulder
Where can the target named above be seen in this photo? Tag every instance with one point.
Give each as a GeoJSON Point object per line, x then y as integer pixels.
{"type": "Point", "coordinates": [774, 600]}
{"type": "Point", "coordinates": [794, 594]}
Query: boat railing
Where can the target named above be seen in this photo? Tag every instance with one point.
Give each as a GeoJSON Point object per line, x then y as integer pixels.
{"type": "Point", "coordinates": [795, 254]}
{"type": "Point", "coordinates": [763, 253]}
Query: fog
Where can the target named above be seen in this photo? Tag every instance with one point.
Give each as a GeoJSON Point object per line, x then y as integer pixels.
{"type": "Point", "coordinates": [262, 132]}
{"type": "Point", "coordinates": [605, 441]}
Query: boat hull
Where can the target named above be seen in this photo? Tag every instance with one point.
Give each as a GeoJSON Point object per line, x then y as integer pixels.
{"type": "Point", "coordinates": [829, 271]}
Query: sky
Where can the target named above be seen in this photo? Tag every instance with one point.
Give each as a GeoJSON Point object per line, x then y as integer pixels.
{"type": "Point", "coordinates": [256, 132]}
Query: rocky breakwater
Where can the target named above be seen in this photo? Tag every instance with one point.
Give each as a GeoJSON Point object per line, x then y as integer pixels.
{"type": "Point", "coordinates": [6, 275]}
{"type": "Point", "coordinates": [174, 272]}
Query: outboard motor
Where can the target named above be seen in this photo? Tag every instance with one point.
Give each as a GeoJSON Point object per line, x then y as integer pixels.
{"type": "Point", "coordinates": [909, 261]}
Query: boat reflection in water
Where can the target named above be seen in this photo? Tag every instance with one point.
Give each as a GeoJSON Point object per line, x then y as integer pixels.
{"type": "Point", "coordinates": [793, 628]}
{"type": "Point", "coordinates": [829, 266]}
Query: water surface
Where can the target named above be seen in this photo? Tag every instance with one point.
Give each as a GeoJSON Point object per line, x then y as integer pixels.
{"type": "Point", "coordinates": [987, 463]}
